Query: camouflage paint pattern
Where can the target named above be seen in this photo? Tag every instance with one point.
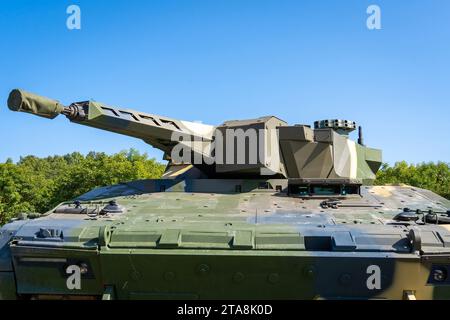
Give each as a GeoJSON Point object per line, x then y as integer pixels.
{"type": "Point", "coordinates": [208, 238]}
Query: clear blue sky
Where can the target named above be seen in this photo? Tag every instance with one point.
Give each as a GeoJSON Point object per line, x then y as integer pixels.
{"type": "Point", "coordinates": [231, 59]}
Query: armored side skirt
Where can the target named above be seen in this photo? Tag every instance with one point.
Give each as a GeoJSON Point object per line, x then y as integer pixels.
{"type": "Point", "coordinates": [224, 274]}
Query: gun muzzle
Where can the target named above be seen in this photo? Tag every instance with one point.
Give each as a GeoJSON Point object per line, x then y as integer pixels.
{"type": "Point", "coordinates": [23, 101]}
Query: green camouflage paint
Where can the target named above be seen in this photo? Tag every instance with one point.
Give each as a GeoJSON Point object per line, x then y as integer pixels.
{"type": "Point", "coordinates": [313, 230]}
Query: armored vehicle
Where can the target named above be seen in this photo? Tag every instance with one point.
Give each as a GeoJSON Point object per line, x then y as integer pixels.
{"type": "Point", "coordinates": [249, 209]}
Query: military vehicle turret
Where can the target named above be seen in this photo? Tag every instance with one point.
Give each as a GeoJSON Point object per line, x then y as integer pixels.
{"type": "Point", "coordinates": [249, 209]}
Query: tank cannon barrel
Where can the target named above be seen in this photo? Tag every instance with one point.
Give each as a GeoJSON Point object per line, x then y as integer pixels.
{"type": "Point", "coordinates": [236, 148]}
{"type": "Point", "coordinates": [156, 130]}
{"type": "Point", "coordinates": [23, 101]}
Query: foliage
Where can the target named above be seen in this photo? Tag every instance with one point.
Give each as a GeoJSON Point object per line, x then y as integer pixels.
{"type": "Point", "coordinates": [431, 176]}
{"type": "Point", "coordinates": [37, 184]}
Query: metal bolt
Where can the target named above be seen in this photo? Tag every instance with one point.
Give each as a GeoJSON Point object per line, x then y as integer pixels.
{"type": "Point", "coordinates": [440, 275]}
{"type": "Point", "coordinates": [273, 278]}
{"type": "Point", "coordinates": [169, 276]}
{"type": "Point", "coordinates": [203, 269]}
{"type": "Point", "coordinates": [238, 277]}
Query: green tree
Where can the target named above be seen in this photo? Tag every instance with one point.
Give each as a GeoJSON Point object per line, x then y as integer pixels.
{"type": "Point", "coordinates": [432, 176]}
{"type": "Point", "coordinates": [37, 184]}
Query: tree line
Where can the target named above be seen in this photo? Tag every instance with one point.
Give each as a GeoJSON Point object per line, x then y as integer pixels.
{"type": "Point", "coordinates": [37, 184]}
{"type": "Point", "coordinates": [426, 175]}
